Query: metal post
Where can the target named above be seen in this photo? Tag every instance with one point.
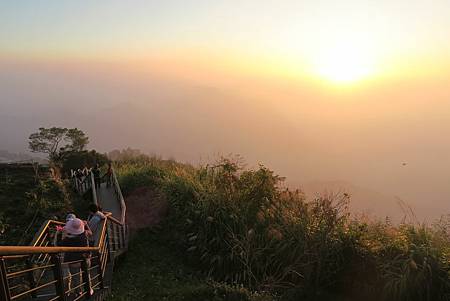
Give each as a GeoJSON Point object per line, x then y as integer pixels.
{"type": "Point", "coordinates": [59, 276]}
{"type": "Point", "coordinates": [114, 237]}
{"type": "Point", "coordinates": [127, 236]}
{"type": "Point", "coordinates": [4, 286]}
{"type": "Point", "coordinates": [99, 270]}
{"type": "Point", "coordinates": [31, 278]}
{"type": "Point", "coordinates": [120, 237]}
{"type": "Point", "coordinates": [86, 277]}
{"type": "Point", "coordinates": [107, 249]}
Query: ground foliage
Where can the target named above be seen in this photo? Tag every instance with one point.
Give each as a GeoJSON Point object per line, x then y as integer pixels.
{"type": "Point", "coordinates": [155, 269]}
{"type": "Point", "coordinates": [29, 195]}
{"type": "Point", "coordinates": [243, 227]}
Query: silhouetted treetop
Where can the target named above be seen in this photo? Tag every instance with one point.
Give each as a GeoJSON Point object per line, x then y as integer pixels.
{"type": "Point", "coordinates": [56, 141]}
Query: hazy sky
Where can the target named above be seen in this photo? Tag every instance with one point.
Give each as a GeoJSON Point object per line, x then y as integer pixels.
{"type": "Point", "coordinates": [323, 91]}
{"type": "Point", "coordinates": [296, 36]}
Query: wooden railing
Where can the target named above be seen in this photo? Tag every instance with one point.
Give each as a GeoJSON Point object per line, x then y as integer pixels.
{"type": "Point", "coordinates": [118, 191]}
{"type": "Point", "coordinates": [38, 271]}
{"type": "Point", "coordinates": [84, 183]}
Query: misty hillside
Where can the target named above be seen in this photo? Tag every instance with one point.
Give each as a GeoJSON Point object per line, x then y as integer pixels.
{"type": "Point", "coordinates": [360, 138]}
{"type": "Point", "coordinates": [230, 233]}
{"type": "Point", "coordinates": [7, 157]}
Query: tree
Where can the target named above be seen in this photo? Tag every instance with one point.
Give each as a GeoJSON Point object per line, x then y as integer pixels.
{"type": "Point", "coordinates": [80, 159]}
{"type": "Point", "coordinates": [57, 142]}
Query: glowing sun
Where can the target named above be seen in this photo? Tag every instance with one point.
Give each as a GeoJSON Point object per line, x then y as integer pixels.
{"type": "Point", "coordinates": [343, 62]}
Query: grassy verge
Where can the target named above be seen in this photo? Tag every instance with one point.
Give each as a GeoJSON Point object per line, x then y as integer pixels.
{"type": "Point", "coordinates": [154, 269]}
{"type": "Point", "coordinates": [240, 226]}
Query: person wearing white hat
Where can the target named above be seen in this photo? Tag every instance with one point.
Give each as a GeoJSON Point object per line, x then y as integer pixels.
{"type": "Point", "coordinates": [70, 216]}
{"type": "Point", "coordinates": [75, 236]}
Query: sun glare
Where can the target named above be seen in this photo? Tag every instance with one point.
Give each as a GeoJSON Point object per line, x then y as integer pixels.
{"type": "Point", "coordinates": [344, 59]}
{"type": "Point", "coordinates": [343, 63]}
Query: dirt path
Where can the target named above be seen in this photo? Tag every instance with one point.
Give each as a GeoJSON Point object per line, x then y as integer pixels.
{"type": "Point", "coordinates": [145, 208]}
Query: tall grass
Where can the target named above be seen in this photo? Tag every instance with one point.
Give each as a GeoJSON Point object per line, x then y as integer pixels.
{"type": "Point", "coordinates": [241, 226]}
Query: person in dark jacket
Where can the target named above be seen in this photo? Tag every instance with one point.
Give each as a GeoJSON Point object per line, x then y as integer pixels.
{"type": "Point", "coordinates": [75, 236]}
{"type": "Point", "coordinates": [79, 178]}
{"type": "Point", "coordinates": [97, 178]}
{"type": "Point", "coordinates": [109, 175]}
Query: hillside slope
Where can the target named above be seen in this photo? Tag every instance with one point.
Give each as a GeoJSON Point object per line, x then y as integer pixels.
{"type": "Point", "coordinates": [28, 196]}
{"type": "Point", "coordinates": [227, 224]}
{"type": "Point", "coordinates": [155, 269]}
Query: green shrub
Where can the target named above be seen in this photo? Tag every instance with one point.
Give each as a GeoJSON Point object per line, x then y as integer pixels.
{"type": "Point", "coordinates": [144, 172]}
{"type": "Point", "coordinates": [241, 227]}
{"type": "Point", "coordinates": [29, 196]}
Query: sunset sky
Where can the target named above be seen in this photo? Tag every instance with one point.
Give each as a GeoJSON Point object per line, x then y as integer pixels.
{"type": "Point", "coordinates": [321, 91]}
{"type": "Point", "coordinates": [340, 41]}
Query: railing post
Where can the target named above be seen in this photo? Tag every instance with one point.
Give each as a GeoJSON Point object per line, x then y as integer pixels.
{"type": "Point", "coordinates": [120, 228]}
{"type": "Point", "coordinates": [127, 236]}
{"type": "Point", "coordinates": [86, 277]}
{"type": "Point", "coordinates": [59, 276]}
{"type": "Point", "coordinates": [117, 236]}
{"type": "Point", "coordinates": [114, 237]}
{"type": "Point", "coordinates": [100, 271]}
{"type": "Point", "coordinates": [4, 287]}
{"type": "Point", "coordinates": [94, 189]}
{"type": "Point", "coordinates": [124, 236]}
{"type": "Point", "coordinates": [31, 278]}
{"type": "Point", "coordinates": [124, 239]}
{"type": "Point", "coordinates": [108, 234]}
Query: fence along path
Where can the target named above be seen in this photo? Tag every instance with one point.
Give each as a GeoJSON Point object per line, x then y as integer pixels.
{"type": "Point", "coordinates": [37, 272]}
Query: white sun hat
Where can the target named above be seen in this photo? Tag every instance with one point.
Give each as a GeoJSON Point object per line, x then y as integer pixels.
{"type": "Point", "coordinates": [74, 226]}
{"type": "Point", "coordinates": [70, 216]}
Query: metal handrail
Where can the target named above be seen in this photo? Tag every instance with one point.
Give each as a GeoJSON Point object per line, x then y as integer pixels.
{"type": "Point", "coordinates": [115, 220]}
{"type": "Point", "coordinates": [103, 251]}
{"type": "Point", "coordinates": [34, 249]}
{"type": "Point", "coordinates": [33, 289]}
{"type": "Point", "coordinates": [120, 198]}
{"type": "Point", "coordinates": [94, 189]}
{"type": "Point", "coordinates": [9, 275]}
{"type": "Point", "coordinates": [23, 250]}
{"type": "Point", "coordinates": [18, 263]}
{"type": "Point", "coordinates": [43, 230]}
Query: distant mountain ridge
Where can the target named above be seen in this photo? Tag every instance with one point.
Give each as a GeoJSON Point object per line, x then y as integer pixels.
{"type": "Point", "coordinates": [8, 157]}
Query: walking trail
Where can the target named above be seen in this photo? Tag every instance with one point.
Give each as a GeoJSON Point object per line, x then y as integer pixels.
{"type": "Point", "coordinates": [106, 198]}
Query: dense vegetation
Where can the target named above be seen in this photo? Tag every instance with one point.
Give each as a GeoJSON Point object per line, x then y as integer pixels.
{"type": "Point", "coordinates": [30, 194]}
{"type": "Point", "coordinates": [154, 270]}
{"type": "Point", "coordinates": [241, 227]}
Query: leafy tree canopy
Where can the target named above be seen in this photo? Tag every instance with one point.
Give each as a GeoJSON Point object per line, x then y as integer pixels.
{"type": "Point", "coordinates": [57, 142]}
{"type": "Point", "coordinates": [75, 160]}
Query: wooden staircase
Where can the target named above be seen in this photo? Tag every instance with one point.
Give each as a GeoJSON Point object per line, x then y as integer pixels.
{"type": "Point", "coordinates": [37, 272]}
